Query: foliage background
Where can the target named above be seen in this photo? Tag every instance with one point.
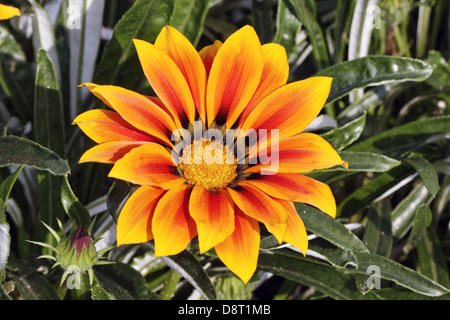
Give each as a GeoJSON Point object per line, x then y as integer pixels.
{"type": "Point", "coordinates": [388, 115]}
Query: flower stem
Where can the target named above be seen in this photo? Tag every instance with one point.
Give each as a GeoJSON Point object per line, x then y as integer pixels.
{"type": "Point", "coordinates": [170, 284]}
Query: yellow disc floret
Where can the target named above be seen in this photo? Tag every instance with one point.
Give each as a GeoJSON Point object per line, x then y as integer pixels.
{"type": "Point", "coordinates": [209, 164]}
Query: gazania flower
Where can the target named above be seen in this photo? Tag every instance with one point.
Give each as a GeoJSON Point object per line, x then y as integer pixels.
{"type": "Point", "coordinates": [194, 178]}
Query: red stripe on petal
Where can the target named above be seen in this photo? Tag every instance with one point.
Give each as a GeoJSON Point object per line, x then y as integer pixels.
{"type": "Point", "coordinates": [135, 220]}
{"type": "Point", "coordinates": [213, 214]}
{"type": "Point", "coordinates": [172, 226]}
{"type": "Point", "coordinates": [240, 251]}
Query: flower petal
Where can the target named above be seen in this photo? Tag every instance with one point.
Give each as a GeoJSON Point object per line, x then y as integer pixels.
{"type": "Point", "coordinates": [137, 110]}
{"type": "Point", "coordinates": [105, 125]}
{"type": "Point", "coordinates": [275, 74]}
{"type": "Point", "coordinates": [240, 251]}
{"type": "Point", "coordinates": [188, 60]}
{"type": "Point", "coordinates": [291, 108]}
{"type": "Point", "coordinates": [109, 152]}
{"type": "Point", "coordinates": [235, 74]}
{"type": "Point", "coordinates": [166, 80]}
{"type": "Point", "coordinates": [296, 234]}
{"type": "Point", "coordinates": [261, 207]}
{"type": "Point", "coordinates": [149, 164]}
{"type": "Point", "coordinates": [213, 214]}
{"type": "Point", "coordinates": [298, 154]}
{"type": "Point", "coordinates": [172, 226]}
{"type": "Point", "coordinates": [296, 187]}
{"type": "Point", "coordinates": [208, 54]}
{"type": "Point", "coordinates": [135, 220]}
{"type": "Point", "coordinates": [7, 12]}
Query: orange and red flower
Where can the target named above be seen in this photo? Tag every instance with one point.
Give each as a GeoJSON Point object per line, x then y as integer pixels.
{"type": "Point", "coordinates": [236, 85]}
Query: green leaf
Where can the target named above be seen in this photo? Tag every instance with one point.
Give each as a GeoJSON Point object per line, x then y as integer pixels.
{"type": "Point", "coordinates": [404, 213]}
{"type": "Point", "coordinates": [84, 41]}
{"type": "Point", "coordinates": [336, 283]}
{"type": "Point", "coordinates": [422, 221]}
{"type": "Point", "coordinates": [372, 190]}
{"type": "Point", "coordinates": [35, 287]}
{"type": "Point", "coordinates": [432, 261]}
{"type": "Point", "coordinates": [5, 189]}
{"type": "Point", "coordinates": [262, 19]}
{"type": "Point", "coordinates": [5, 241]}
{"type": "Point", "coordinates": [306, 11]}
{"type": "Point", "coordinates": [395, 294]}
{"type": "Point", "coordinates": [122, 282]}
{"type": "Point", "coordinates": [329, 229]}
{"type": "Point", "coordinates": [98, 293]}
{"type": "Point", "coordinates": [342, 24]}
{"type": "Point", "coordinates": [16, 74]}
{"type": "Point", "coordinates": [143, 21]}
{"type": "Point", "coordinates": [74, 209]}
{"type": "Point", "coordinates": [342, 137]}
{"type": "Point", "coordinates": [188, 17]}
{"type": "Point", "coordinates": [21, 151]}
{"type": "Point", "coordinates": [49, 132]}
{"type": "Point", "coordinates": [190, 269]}
{"type": "Point", "coordinates": [367, 162]}
{"type": "Point", "coordinates": [406, 137]}
{"type": "Point", "coordinates": [288, 28]}
{"type": "Point", "coordinates": [441, 70]}
{"type": "Point", "coordinates": [43, 37]}
{"type": "Point", "coordinates": [378, 234]}
{"type": "Point", "coordinates": [116, 194]}
{"type": "Point", "coordinates": [373, 71]}
{"type": "Point", "coordinates": [426, 172]}
{"type": "Point", "coordinates": [399, 274]}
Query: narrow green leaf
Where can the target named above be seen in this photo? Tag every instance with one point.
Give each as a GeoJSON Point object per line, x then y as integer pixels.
{"type": "Point", "coordinates": [367, 162]}
{"type": "Point", "coordinates": [49, 132]}
{"type": "Point", "coordinates": [342, 24]}
{"type": "Point", "coordinates": [43, 37]}
{"type": "Point", "coordinates": [74, 209]}
{"type": "Point", "coordinates": [84, 41]}
{"type": "Point", "coordinates": [373, 71]}
{"type": "Point", "coordinates": [122, 282]}
{"type": "Point", "coordinates": [404, 213]}
{"type": "Point", "coordinates": [400, 274]}
{"type": "Point", "coordinates": [5, 189]}
{"type": "Point", "coordinates": [426, 172]}
{"type": "Point", "coordinates": [35, 287]}
{"type": "Point", "coordinates": [98, 293]}
{"type": "Point", "coordinates": [342, 137]}
{"type": "Point", "coordinates": [190, 269]}
{"type": "Point", "coordinates": [422, 221]}
{"type": "Point", "coordinates": [372, 190]}
{"type": "Point", "coordinates": [116, 194]}
{"type": "Point", "coordinates": [188, 17]}
{"type": "Point", "coordinates": [378, 234]}
{"type": "Point", "coordinates": [431, 258]}
{"type": "Point", "coordinates": [21, 151]}
{"type": "Point", "coordinates": [306, 11]}
{"type": "Point", "coordinates": [143, 21]}
{"type": "Point", "coordinates": [262, 19]}
{"type": "Point", "coordinates": [405, 137]}
{"type": "Point", "coordinates": [333, 282]}
{"type": "Point", "coordinates": [5, 240]}
{"type": "Point", "coordinates": [396, 294]}
{"type": "Point", "coordinates": [329, 229]}
{"type": "Point", "coordinates": [16, 74]}
{"type": "Point", "coordinates": [288, 28]}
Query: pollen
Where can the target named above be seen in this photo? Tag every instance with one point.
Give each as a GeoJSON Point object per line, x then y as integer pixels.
{"type": "Point", "coordinates": [209, 164]}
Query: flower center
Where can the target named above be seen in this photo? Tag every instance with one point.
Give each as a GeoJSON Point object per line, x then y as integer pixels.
{"type": "Point", "coordinates": [207, 163]}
